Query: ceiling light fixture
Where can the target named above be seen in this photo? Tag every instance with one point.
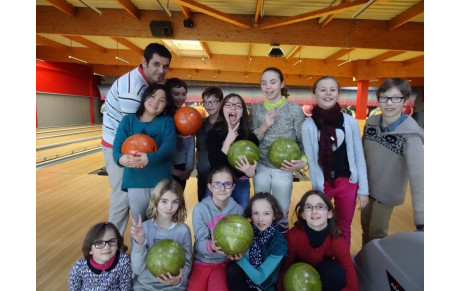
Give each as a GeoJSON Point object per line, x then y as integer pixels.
{"type": "Point", "coordinates": [164, 8]}
{"type": "Point", "coordinates": [77, 59]}
{"type": "Point", "coordinates": [276, 51]}
{"type": "Point", "coordinates": [92, 7]}
{"type": "Point", "coordinates": [120, 59]}
{"type": "Point", "coordinates": [74, 58]}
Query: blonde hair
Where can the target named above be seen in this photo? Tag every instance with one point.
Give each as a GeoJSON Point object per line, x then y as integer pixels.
{"type": "Point", "coordinates": [161, 188]}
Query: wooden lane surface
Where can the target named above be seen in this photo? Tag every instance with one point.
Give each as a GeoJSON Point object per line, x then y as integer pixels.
{"type": "Point", "coordinates": [69, 201]}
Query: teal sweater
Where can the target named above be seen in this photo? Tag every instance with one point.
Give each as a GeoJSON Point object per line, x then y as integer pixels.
{"type": "Point", "coordinates": [266, 277]}
{"type": "Point", "coordinates": [159, 167]}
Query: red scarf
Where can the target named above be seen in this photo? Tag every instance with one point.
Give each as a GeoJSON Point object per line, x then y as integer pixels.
{"type": "Point", "coordinates": [103, 266]}
{"type": "Point", "coordinates": [326, 121]}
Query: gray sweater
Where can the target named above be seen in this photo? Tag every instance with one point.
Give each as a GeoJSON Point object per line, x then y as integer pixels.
{"type": "Point", "coordinates": [287, 124]}
{"type": "Point", "coordinates": [394, 159]}
{"type": "Point", "coordinates": [143, 279]}
{"type": "Point", "coordinates": [204, 218]}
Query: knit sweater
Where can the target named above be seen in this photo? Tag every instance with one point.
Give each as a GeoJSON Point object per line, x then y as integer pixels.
{"type": "Point", "coordinates": [333, 249]}
{"type": "Point", "coordinates": [266, 276]}
{"type": "Point", "coordinates": [124, 97]}
{"type": "Point", "coordinates": [179, 232]}
{"type": "Point", "coordinates": [394, 159]}
{"type": "Point", "coordinates": [287, 124]}
{"type": "Point", "coordinates": [204, 218]}
{"type": "Point", "coordinates": [355, 154]}
{"type": "Point", "coordinates": [163, 132]}
{"type": "Point", "coordinates": [84, 277]}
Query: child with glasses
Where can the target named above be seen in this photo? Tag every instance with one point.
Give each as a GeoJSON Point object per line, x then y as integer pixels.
{"type": "Point", "coordinates": [316, 239]}
{"type": "Point", "coordinates": [209, 263]}
{"type": "Point", "coordinates": [393, 146]}
{"type": "Point", "coordinates": [259, 268]}
{"type": "Point", "coordinates": [105, 265]}
{"type": "Point", "coordinates": [274, 118]}
{"type": "Point", "coordinates": [333, 145]}
{"type": "Point", "coordinates": [166, 213]}
{"type": "Point", "coordinates": [232, 125]}
{"type": "Point", "coordinates": [212, 99]}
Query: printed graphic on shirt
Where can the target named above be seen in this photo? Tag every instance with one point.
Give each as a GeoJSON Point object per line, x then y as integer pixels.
{"type": "Point", "coordinates": [393, 142]}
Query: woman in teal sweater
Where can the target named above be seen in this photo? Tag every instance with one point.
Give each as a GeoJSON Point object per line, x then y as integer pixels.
{"type": "Point", "coordinates": [142, 171]}
{"type": "Point", "coordinates": [259, 268]}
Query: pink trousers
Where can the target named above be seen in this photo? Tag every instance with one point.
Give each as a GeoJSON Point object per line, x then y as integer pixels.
{"type": "Point", "coordinates": [344, 198]}
{"type": "Point", "coordinates": [207, 277]}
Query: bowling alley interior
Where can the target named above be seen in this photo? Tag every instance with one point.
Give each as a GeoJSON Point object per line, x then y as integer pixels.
{"type": "Point", "coordinates": [83, 47]}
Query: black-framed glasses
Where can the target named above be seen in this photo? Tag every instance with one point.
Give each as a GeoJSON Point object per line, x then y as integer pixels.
{"type": "Point", "coordinates": [318, 207]}
{"type": "Point", "coordinates": [230, 105]}
{"type": "Point", "coordinates": [210, 102]}
{"type": "Point", "coordinates": [218, 185]}
{"type": "Point", "coordinates": [99, 244]}
{"type": "Point", "coordinates": [383, 99]}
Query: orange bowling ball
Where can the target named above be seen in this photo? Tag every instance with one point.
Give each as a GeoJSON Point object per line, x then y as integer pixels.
{"type": "Point", "coordinates": [139, 143]}
{"type": "Point", "coordinates": [188, 120]}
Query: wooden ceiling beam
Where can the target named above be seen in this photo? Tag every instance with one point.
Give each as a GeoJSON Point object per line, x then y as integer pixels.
{"type": "Point", "coordinates": [406, 16]}
{"type": "Point", "coordinates": [241, 64]}
{"type": "Point", "coordinates": [130, 8]}
{"type": "Point", "coordinates": [186, 11]}
{"type": "Point", "coordinates": [51, 43]}
{"type": "Point", "coordinates": [206, 49]}
{"type": "Point", "coordinates": [383, 57]}
{"type": "Point", "coordinates": [415, 60]}
{"type": "Point", "coordinates": [293, 53]}
{"type": "Point", "coordinates": [63, 6]}
{"type": "Point", "coordinates": [337, 34]}
{"type": "Point", "coordinates": [313, 14]}
{"type": "Point", "coordinates": [213, 12]}
{"type": "Point", "coordinates": [256, 14]}
{"type": "Point", "coordinates": [129, 45]}
{"type": "Point", "coordinates": [86, 42]}
{"type": "Point", "coordinates": [337, 55]}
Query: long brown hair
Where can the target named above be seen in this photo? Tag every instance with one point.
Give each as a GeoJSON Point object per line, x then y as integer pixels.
{"type": "Point", "coordinates": [332, 222]}
{"type": "Point", "coordinates": [221, 123]}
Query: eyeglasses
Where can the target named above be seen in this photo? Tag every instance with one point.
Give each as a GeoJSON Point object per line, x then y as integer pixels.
{"type": "Point", "coordinates": [210, 102]}
{"type": "Point", "coordinates": [238, 106]}
{"type": "Point", "coordinates": [383, 99]}
{"type": "Point", "coordinates": [218, 185]}
{"type": "Point", "coordinates": [318, 207]}
{"type": "Point", "coordinates": [99, 244]}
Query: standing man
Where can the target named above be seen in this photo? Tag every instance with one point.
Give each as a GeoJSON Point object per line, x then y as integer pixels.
{"type": "Point", "coordinates": [123, 98]}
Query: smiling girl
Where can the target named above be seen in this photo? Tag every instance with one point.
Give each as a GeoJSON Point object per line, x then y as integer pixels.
{"type": "Point", "coordinates": [232, 125]}
{"type": "Point", "coordinates": [315, 239]}
{"type": "Point", "coordinates": [142, 171]}
{"type": "Point", "coordinates": [336, 164]}
{"type": "Point", "coordinates": [260, 267]}
{"type": "Point", "coordinates": [166, 213]}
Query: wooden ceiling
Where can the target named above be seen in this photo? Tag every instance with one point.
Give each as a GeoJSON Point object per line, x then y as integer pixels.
{"type": "Point", "coordinates": [351, 40]}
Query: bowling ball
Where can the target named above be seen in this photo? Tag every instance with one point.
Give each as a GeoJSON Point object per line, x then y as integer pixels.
{"type": "Point", "coordinates": [188, 120]}
{"type": "Point", "coordinates": [301, 277]}
{"type": "Point", "coordinates": [165, 256]}
{"type": "Point", "coordinates": [202, 111]}
{"type": "Point", "coordinates": [233, 234]}
{"type": "Point", "coordinates": [283, 149]}
{"type": "Point", "coordinates": [242, 148]}
{"type": "Point", "coordinates": [139, 143]}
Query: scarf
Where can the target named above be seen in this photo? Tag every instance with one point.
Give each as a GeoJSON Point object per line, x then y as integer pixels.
{"type": "Point", "coordinates": [98, 266]}
{"type": "Point", "coordinates": [255, 251]}
{"type": "Point", "coordinates": [326, 121]}
{"type": "Point", "coordinates": [270, 106]}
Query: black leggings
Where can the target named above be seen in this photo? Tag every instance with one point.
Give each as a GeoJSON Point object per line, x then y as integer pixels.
{"type": "Point", "coordinates": [332, 276]}
{"type": "Point", "coordinates": [236, 278]}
